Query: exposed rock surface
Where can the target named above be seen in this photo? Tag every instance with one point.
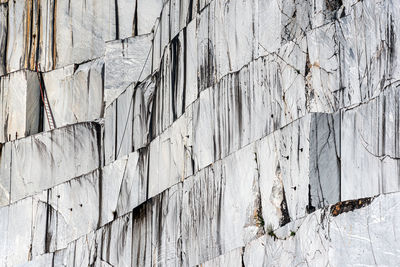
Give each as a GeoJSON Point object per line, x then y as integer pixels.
{"type": "Point", "coordinates": [199, 132]}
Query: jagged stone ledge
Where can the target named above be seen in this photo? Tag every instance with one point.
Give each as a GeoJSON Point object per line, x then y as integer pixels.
{"type": "Point", "coordinates": [323, 238]}
{"type": "Point", "coordinates": [356, 233]}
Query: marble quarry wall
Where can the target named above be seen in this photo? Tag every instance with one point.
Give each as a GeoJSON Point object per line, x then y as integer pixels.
{"type": "Point", "coordinates": [200, 132]}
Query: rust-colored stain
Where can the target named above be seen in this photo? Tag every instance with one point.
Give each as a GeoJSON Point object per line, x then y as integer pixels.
{"type": "Point", "coordinates": [27, 31]}
{"type": "Point", "coordinates": [350, 205]}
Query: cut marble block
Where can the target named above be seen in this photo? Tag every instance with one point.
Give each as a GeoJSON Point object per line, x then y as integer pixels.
{"type": "Point", "coordinates": [147, 13]}
{"type": "Point", "coordinates": [299, 168]}
{"type": "Point", "coordinates": [82, 252]}
{"type": "Point", "coordinates": [20, 105]}
{"type": "Point", "coordinates": [280, 21]}
{"type": "Point", "coordinates": [350, 238]}
{"type": "Point", "coordinates": [164, 28]}
{"type": "Point", "coordinates": [124, 242]}
{"type": "Point", "coordinates": [370, 146]}
{"type": "Point", "coordinates": [124, 18]}
{"type": "Point", "coordinates": [170, 95]}
{"type": "Point", "coordinates": [368, 62]}
{"type": "Point", "coordinates": [43, 260]}
{"type": "Point", "coordinates": [294, 166]}
{"type": "Point", "coordinates": [164, 112]}
{"type": "Point", "coordinates": [5, 174]}
{"type": "Point", "coordinates": [191, 89]}
{"type": "Point", "coordinates": [235, 42]}
{"type": "Point", "coordinates": [116, 242]}
{"type": "Point", "coordinates": [124, 121]}
{"type": "Point", "coordinates": [156, 51]}
{"type": "Point", "coordinates": [76, 208]}
{"type": "Point", "coordinates": [159, 230]}
{"type": "Point", "coordinates": [206, 69]}
{"type": "Point", "coordinates": [141, 239]}
{"type": "Point", "coordinates": [188, 10]}
{"type": "Point", "coordinates": [232, 258]}
{"type": "Point", "coordinates": [81, 27]}
{"type": "Point", "coordinates": [171, 155]}
{"type": "Point", "coordinates": [268, 33]}
{"type": "Point", "coordinates": [353, 59]}
{"type": "Point", "coordinates": [244, 106]}
{"type": "Point", "coordinates": [295, 19]}
{"type": "Point", "coordinates": [3, 36]}
{"type": "Point", "coordinates": [127, 121]}
{"type": "Point", "coordinates": [44, 160]}
{"type": "Point", "coordinates": [173, 223]}
{"type": "Point", "coordinates": [142, 110]}
{"type": "Point", "coordinates": [174, 12]}
{"type": "Point", "coordinates": [16, 231]}
{"type": "Point", "coordinates": [75, 93]}
{"type": "Point", "coordinates": [325, 159]}
{"type": "Point", "coordinates": [17, 43]}
{"type": "Point", "coordinates": [220, 209]}
{"type": "Point", "coordinates": [57, 34]}
{"type": "Point", "coordinates": [323, 81]}
{"type": "Point", "coordinates": [73, 210]}
{"type": "Point", "coordinates": [166, 227]}
{"type": "Point", "coordinates": [126, 62]}
{"type": "Point", "coordinates": [124, 185]}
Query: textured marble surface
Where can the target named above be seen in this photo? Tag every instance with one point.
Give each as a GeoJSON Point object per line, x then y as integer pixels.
{"type": "Point", "coordinates": [200, 132]}
{"type": "Point", "coordinates": [59, 33]}
{"type": "Point", "coordinates": [20, 105]}
{"type": "Point", "coordinates": [126, 62]}
{"type": "Point", "coordinates": [46, 159]}
{"type": "Point", "coordinates": [75, 93]}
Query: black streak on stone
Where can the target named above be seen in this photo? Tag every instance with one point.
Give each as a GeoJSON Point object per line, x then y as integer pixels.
{"type": "Point", "coordinates": [117, 20]}
{"type": "Point", "coordinates": [153, 113]}
{"type": "Point", "coordinates": [219, 217]}
{"type": "Point", "coordinates": [333, 5]}
{"type": "Point", "coordinates": [175, 48]}
{"type": "Point", "coordinates": [116, 146]}
{"type": "Point", "coordinates": [98, 129]}
{"type": "Point", "coordinates": [6, 41]}
{"type": "Point", "coordinates": [47, 239]}
{"type": "Point", "coordinates": [54, 52]}
{"type": "Point", "coordinates": [38, 37]}
{"type": "Point", "coordinates": [285, 212]}
{"type": "Point", "coordinates": [310, 208]}
{"type": "Point", "coordinates": [190, 12]}
{"type": "Point", "coordinates": [184, 69]}
{"type": "Point", "coordinates": [159, 199]}
{"type": "Point", "coordinates": [135, 20]}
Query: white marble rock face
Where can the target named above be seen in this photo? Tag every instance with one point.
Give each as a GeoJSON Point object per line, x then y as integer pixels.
{"type": "Point", "coordinates": [200, 133]}
{"type": "Point", "coordinates": [324, 239]}
{"type": "Point", "coordinates": [126, 62]}
{"type": "Point", "coordinates": [3, 35]}
{"type": "Point", "coordinates": [370, 153]}
{"type": "Point", "coordinates": [44, 160]}
{"type": "Point", "coordinates": [75, 93]}
{"type": "Point", "coordinates": [20, 105]}
{"type": "Point", "coordinates": [55, 34]}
